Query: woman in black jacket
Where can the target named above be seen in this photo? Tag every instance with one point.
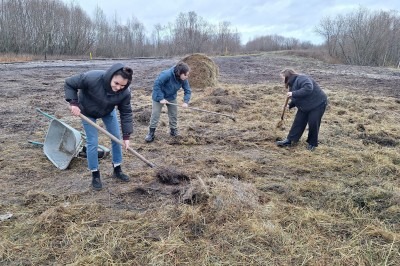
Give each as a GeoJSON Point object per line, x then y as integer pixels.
{"type": "Point", "coordinates": [95, 94]}
{"type": "Point", "coordinates": [311, 102]}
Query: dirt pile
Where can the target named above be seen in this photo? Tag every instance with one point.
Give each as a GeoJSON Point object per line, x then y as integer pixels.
{"type": "Point", "coordinates": [203, 71]}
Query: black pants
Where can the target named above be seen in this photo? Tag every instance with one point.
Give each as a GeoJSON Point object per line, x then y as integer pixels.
{"type": "Point", "coordinates": [313, 119]}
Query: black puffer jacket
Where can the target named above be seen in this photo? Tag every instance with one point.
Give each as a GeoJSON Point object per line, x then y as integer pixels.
{"type": "Point", "coordinates": [306, 94]}
{"type": "Point", "coordinates": [96, 98]}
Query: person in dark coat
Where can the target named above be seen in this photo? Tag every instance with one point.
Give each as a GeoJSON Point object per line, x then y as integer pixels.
{"type": "Point", "coordinates": [96, 94]}
{"type": "Point", "coordinates": [311, 102]}
{"type": "Point", "coordinates": [165, 91]}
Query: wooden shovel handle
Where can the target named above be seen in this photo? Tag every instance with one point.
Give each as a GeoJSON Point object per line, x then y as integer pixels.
{"type": "Point", "coordinates": [102, 130]}
{"type": "Point", "coordinates": [284, 107]}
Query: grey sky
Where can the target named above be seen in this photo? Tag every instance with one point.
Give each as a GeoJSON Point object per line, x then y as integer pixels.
{"type": "Point", "coordinates": [251, 18]}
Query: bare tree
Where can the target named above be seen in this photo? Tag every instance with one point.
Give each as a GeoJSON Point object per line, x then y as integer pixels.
{"type": "Point", "coordinates": [137, 37]}
{"type": "Point", "coordinates": [330, 29]}
{"type": "Point", "coordinates": [363, 37]}
{"type": "Point", "coordinates": [102, 34]}
{"type": "Point", "coordinates": [228, 39]}
{"type": "Point", "coordinates": [51, 27]}
{"type": "Point", "coordinates": [187, 32]}
{"type": "Point", "coordinates": [275, 43]}
{"type": "Point", "coordinates": [157, 39]}
{"type": "Point", "coordinates": [78, 34]}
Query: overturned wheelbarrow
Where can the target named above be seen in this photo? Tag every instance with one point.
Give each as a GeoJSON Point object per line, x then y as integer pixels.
{"type": "Point", "coordinates": [62, 143]}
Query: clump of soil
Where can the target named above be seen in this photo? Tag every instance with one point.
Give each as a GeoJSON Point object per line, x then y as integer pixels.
{"type": "Point", "coordinates": [234, 103]}
{"type": "Point", "coordinates": [143, 117]}
{"type": "Point", "coordinates": [170, 176]}
{"type": "Point", "coordinates": [219, 92]}
{"type": "Point", "coordinates": [203, 71]}
{"type": "Point", "coordinates": [381, 138]}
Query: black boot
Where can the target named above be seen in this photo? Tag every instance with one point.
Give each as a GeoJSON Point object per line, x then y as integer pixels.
{"type": "Point", "coordinates": [284, 143]}
{"type": "Point", "coordinates": [150, 136]}
{"type": "Point", "coordinates": [174, 132]}
{"type": "Point", "coordinates": [96, 182]}
{"type": "Point", "coordinates": [118, 174]}
{"type": "Point", "coordinates": [311, 147]}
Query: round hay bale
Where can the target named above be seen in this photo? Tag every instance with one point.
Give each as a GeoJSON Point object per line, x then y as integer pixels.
{"type": "Point", "coordinates": [171, 176]}
{"type": "Point", "coordinates": [203, 71]}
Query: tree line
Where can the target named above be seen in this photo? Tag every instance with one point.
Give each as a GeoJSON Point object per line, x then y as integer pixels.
{"type": "Point", "coordinates": [54, 28]}
{"type": "Point", "coordinates": [276, 43]}
{"type": "Point", "coordinates": [51, 27]}
{"type": "Point", "coordinates": [363, 37]}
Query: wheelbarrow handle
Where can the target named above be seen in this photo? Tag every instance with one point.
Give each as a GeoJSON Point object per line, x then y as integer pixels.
{"type": "Point", "coordinates": [102, 130]}
{"type": "Point", "coordinates": [37, 143]}
{"type": "Point", "coordinates": [206, 111]}
{"type": "Point", "coordinates": [46, 114]}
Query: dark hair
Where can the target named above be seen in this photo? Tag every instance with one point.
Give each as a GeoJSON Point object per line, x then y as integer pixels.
{"type": "Point", "coordinates": [125, 73]}
{"type": "Point", "coordinates": [287, 73]}
{"type": "Point", "coordinates": [181, 68]}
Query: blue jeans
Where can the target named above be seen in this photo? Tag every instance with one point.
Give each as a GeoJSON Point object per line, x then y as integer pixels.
{"type": "Point", "coordinates": [92, 140]}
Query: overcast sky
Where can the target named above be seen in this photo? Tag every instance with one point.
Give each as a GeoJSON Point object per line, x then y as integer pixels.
{"type": "Point", "coordinates": [251, 18]}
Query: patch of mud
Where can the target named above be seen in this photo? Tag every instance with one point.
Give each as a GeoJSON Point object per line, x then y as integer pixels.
{"type": "Point", "coordinates": [381, 138]}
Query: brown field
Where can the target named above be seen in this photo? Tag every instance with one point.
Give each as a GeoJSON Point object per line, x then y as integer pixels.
{"type": "Point", "coordinates": [247, 202]}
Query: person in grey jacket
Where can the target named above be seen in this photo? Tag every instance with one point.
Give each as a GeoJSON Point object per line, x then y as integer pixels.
{"type": "Point", "coordinates": [165, 91]}
{"type": "Point", "coordinates": [95, 94]}
{"type": "Point", "coordinates": [311, 102]}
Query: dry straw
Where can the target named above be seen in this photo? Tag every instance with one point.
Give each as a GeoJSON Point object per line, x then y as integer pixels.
{"type": "Point", "coordinates": [247, 202]}
{"type": "Point", "coordinates": [203, 71]}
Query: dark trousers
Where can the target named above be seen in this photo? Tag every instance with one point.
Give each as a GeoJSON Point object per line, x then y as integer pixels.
{"type": "Point", "coordinates": [313, 119]}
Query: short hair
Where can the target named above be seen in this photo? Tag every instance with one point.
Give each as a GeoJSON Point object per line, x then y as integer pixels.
{"type": "Point", "coordinates": [181, 68]}
{"type": "Point", "coordinates": [125, 73]}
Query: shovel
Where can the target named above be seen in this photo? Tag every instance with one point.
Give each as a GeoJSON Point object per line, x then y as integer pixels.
{"type": "Point", "coordinates": [210, 112]}
{"type": "Point", "coordinates": [164, 174]}
{"type": "Point", "coordinates": [102, 130]}
{"type": "Point", "coordinates": [280, 123]}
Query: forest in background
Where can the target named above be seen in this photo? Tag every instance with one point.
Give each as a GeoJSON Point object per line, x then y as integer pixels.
{"type": "Point", "coordinates": [53, 28]}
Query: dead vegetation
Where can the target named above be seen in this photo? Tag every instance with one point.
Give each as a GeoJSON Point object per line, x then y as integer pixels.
{"type": "Point", "coordinates": [238, 199]}
{"type": "Point", "coordinates": [203, 71]}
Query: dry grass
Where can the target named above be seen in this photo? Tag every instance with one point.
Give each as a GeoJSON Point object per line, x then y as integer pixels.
{"type": "Point", "coordinates": [11, 58]}
{"type": "Point", "coordinates": [318, 54]}
{"type": "Point", "coordinates": [247, 202]}
{"type": "Point", "coordinates": [16, 58]}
